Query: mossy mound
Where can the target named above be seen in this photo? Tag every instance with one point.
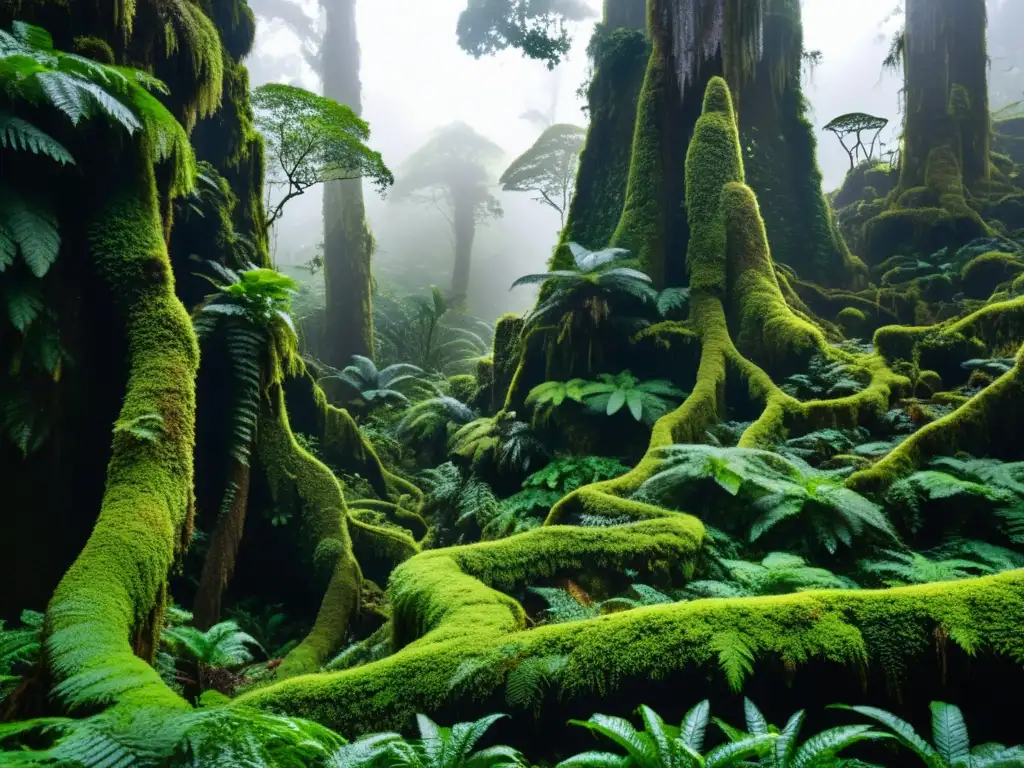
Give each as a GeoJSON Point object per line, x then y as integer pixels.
{"type": "Point", "coordinates": [983, 274]}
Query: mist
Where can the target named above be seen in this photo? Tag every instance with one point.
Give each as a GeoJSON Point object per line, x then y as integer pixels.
{"type": "Point", "coordinates": [416, 79]}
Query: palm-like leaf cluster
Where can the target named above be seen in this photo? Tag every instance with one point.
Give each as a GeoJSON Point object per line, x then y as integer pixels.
{"type": "Point", "coordinates": [647, 401]}
{"type": "Point", "coordinates": [763, 492]}
{"type": "Point", "coordinates": [781, 747]}
{"type": "Point", "coordinates": [368, 387]}
{"type": "Point", "coordinates": [436, 747]}
{"type": "Point", "coordinates": [584, 299]}
{"type": "Point", "coordinates": [951, 747]}
{"type": "Point", "coordinates": [19, 649]}
{"type": "Point", "coordinates": [660, 745]}
{"type": "Point", "coordinates": [425, 331]}
{"type": "Point", "coordinates": [251, 311]}
{"type": "Point", "coordinates": [38, 83]}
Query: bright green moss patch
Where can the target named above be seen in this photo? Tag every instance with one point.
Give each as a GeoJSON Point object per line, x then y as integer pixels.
{"type": "Point", "coordinates": [888, 629]}
{"type": "Point", "coordinates": [115, 590]}
{"type": "Point", "coordinates": [713, 160]}
{"type": "Point", "coordinates": [296, 477]}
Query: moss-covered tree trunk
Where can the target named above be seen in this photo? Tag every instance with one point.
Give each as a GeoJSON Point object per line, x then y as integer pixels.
{"type": "Point", "coordinates": [780, 152]}
{"type": "Point", "coordinates": [619, 53]}
{"type": "Point", "coordinates": [348, 244]}
{"type": "Point", "coordinates": [946, 88]}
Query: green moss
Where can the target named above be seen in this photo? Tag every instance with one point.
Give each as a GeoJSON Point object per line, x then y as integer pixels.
{"type": "Point", "coordinates": [620, 59]}
{"type": "Point", "coordinates": [988, 424]}
{"type": "Point", "coordinates": [462, 387]}
{"type": "Point", "coordinates": [983, 274]}
{"type": "Point", "coordinates": [852, 320]}
{"type": "Point", "coordinates": [766, 328]}
{"type": "Point", "coordinates": [643, 227]}
{"type": "Point", "coordinates": [296, 477]}
{"type": "Point", "coordinates": [886, 629]}
{"type": "Point", "coordinates": [115, 590]}
{"type": "Point", "coordinates": [94, 48]}
{"type": "Point", "coordinates": [713, 160]}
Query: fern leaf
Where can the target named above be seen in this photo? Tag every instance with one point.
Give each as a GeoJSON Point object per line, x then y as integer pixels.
{"type": "Point", "coordinates": [31, 228]}
{"type": "Point", "coordinates": [735, 657]}
{"type": "Point", "coordinates": [20, 134]}
{"type": "Point", "coordinates": [528, 682]}
{"type": "Point", "coordinates": [949, 732]}
{"type": "Point", "coordinates": [23, 304]}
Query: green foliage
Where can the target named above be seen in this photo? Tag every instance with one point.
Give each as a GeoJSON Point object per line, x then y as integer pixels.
{"type": "Point", "coordinates": [760, 493]}
{"type": "Point", "coordinates": [917, 568]}
{"type": "Point", "coordinates": [784, 749]}
{"type": "Point", "coordinates": [36, 76]}
{"type": "Point", "coordinates": [777, 574]}
{"type": "Point", "coordinates": [369, 387]}
{"type": "Point", "coordinates": [19, 650]}
{"type": "Point", "coordinates": [148, 427]}
{"type": "Point", "coordinates": [536, 28]}
{"type": "Point", "coordinates": [548, 168]}
{"type": "Point", "coordinates": [586, 300]}
{"type": "Point", "coordinates": [251, 311]}
{"type": "Point", "coordinates": [155, 738]}
{"type": "Point", "coordinates": [429, 333]}
{"type": "Point", "coordinates": [33, 72]}
{"type": "Point", "coordinates": [825, 378]}
{"type": "Point", "coordinates": [951, 747]}
{"type": "Point", "coordinates": [310, 140]}
{"type": "Point", "coordinates": [529, 681]}
{"type": "Point", "coordinates": [501, 441]}
{"type": "Point", "coordinates": [545, 487]}
{"type": "Point", "coordinates": [647, 401]}
{"type": "Point", "coordinates": [454, 499]}
{"type": "Point", "coordinates": [823, 444]}
{"type": "Point", "coordinates": [436, 747]}
{"type": "Point", "coordinates": [222, 646]}
{"type": "Point", "coordinates": [735, 657]}
{"type": "Point", "coordinates": [268, 625]}
{"type": "Point", "coordinates": [429, 421]}
{"type": "Point", "coordinates": [663, 746]}
{"type": "Point", "coordinates": [567, 473]}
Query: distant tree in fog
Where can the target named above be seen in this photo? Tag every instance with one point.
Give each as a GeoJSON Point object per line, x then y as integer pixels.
{"type": "Point", "coordinates": [452, 172]}
{"type": "Point", "coordinates": [548, 168]}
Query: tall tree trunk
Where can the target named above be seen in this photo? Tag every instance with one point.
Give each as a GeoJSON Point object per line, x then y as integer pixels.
{"type": "Point", "coordinates": [780, 158]}
{"type": "Point", "coordinates": [620, 54]}
{"type": "Point", "coordinates": [348, 243]}
{"type": "Point", "coordinates": [219, 565]}
{"type": "Point", "coordinates": [946, 90]}
{"type": "Point", "coordinates": [464, 229]}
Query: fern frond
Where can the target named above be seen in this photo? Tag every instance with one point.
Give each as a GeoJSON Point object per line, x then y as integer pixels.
{"type": "Point", "coordinates": [735, 657]}
{"type": "Point", "coordinates": [19, 134]}
{"type": "Point", "coordinates": [531, 679]}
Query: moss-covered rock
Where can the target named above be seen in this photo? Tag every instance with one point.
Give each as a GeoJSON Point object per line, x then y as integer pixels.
{"type": "Point", "coordinates": [983, 274]}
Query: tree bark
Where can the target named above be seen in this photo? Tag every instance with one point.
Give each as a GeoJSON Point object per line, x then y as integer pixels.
{"type": "Point", "coordinates": [348, 243]}
{"type": "Point", "coordinates": [464, 228]}
{"type": "Point", "coordinates": [946, 88]}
